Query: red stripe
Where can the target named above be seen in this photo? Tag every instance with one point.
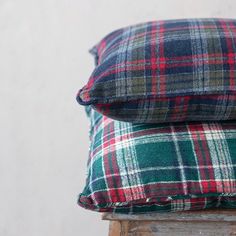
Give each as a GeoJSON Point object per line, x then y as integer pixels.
{"type": "Point", "coordinates": [162, 58]}
{"type": "Point", "coordinates": [102, 47]}
{"type": "Point", "coordinates": [154, 31]}
{"type": "Point", "coordinates": [110, 164]}
{"type": "Point", "coordinates": [114, 69]}
{"type": "Point", "coordinates": [231, 59]}
{"type": "Point", "coordinates": [153, 65]}
{"type": "Point", "coordinates": [203, 160]}
{"type": "Point", "coordinates": [154, 190]}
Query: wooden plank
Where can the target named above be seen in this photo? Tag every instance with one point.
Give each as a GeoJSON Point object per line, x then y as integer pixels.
{"type": "Point", "coordinates": [155, 228]}
{"type": "Point", "coordinates": [208, 215]}
{"type": "Point", "coordinates": [115, 228]}
{"type": "Point", "coordinates": [118, 228]}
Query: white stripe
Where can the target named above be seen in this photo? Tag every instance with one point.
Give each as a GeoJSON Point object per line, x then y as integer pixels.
{"type": "Point", "coordinates": [232, 193]}
{"type": "Point", "coordinates": [121, 163]}
{"type": "Point", "coordinates": [123, 173]}
{"type": "Point", "coordinates": [164, 137]}
{"type": "Point", "coordinates": [197, 167]}
{"type": "Point", "coordinates": [179, 158]}
{"type": "Point", "coordinates": [103, 166]}
{"type": "Point", "coordinates": [231, 134]}
{"type": "Point", "coordinates": [225, 157]}
{"type": "Point", "coordinates": [220, 155]}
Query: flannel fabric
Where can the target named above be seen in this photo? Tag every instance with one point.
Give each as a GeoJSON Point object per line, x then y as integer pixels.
{"type": "Point", "coordinates": [138, 168]}
{"type": "Point", "coordinates": [165, 71]}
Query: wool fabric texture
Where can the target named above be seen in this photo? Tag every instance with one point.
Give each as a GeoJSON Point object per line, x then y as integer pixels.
{"type": "Point", "coordinates": [165, 71]}
{"type": "Point", "coordinates": [139, 168]}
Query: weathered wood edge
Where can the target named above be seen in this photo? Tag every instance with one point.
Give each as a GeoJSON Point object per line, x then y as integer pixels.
{"type": "Point", "coordinates": [171, 228]}
{"type": "Point", "coordinates": [208, 215]}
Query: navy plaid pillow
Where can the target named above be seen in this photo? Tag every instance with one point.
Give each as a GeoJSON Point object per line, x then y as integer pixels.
{"type": "Point", "coordinates": [166, 71]}
{"type": "Point", "coordinates": [138, 168]}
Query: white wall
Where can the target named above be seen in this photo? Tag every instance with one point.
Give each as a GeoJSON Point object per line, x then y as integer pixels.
{"type": "Point", "coordinates": [43, 132]}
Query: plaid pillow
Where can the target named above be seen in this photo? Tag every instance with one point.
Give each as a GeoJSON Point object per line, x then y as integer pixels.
{"type": "Point", "coordinates": [166, 71]}
{"type": "Point", "coordinates": [134, 168]}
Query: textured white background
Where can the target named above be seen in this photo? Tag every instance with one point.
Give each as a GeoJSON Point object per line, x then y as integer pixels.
{"type": "Point", "coordinates": [44, 60]}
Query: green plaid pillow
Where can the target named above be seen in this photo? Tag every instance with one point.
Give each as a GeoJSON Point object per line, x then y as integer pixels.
{"type": "Point", "coordinates": [134, 168]}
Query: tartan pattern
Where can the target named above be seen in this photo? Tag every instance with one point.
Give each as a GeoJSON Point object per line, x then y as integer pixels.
{"type": "Point", "coordinates": [165, 71]}
{"type": "Point", "coordinates": [138, 168]}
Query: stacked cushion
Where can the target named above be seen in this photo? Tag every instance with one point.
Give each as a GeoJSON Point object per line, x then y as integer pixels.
{"type": "Point", "coordinates": [165, 71]}
{"type": "Point", "coordinates": [162, 106]}
{"type": "Point", "coordinates": [138, 168]}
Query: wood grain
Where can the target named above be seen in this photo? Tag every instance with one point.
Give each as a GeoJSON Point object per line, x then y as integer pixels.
{"type": "Point", "coordinates": [153, 228]}
{"type": "Point", "coordinates": [209, 215]}
{"type": "Point", "coordinates": [115, 228]}
{"type": "Point", "coordinates": [207, 223]}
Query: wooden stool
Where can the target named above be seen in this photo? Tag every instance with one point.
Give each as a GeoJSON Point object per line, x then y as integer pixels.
{"type": "Point", "coordinates": [205, 223]}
